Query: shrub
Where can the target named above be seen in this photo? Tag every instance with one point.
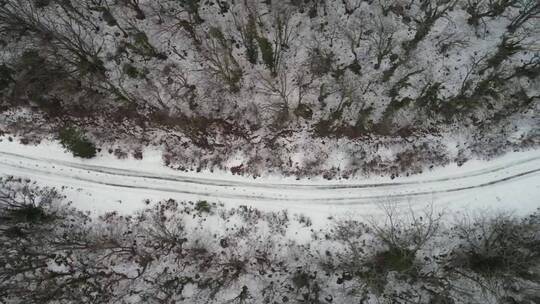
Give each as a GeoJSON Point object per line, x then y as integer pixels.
{"type": "Point", "coordinates": [251, 36]}
{"type": "Point", "coordinates": [355, 67]}
{"type": "Point", "coordinates": [304, 111]}
{"type": "Point", "coordinates": [506, 48]}
{"type": "Point", "coordinates": [192, 8]}
{"type": "Point", "coordinates": [394, 260]}
{"type": "Point", "coordinates": [221, 62]}
{"type": "Point", "coordinates": [142, 46]}
{"type": "Point", "coordinates": [23, 202]}
{"type": "Point", "coordinates": [301, 279]}
{"type": "Point", "coordinates": [203, 207]}
{"type": "Point", "coordinates": [321, 62]}
{"type": "Point", "coordinates": [131, 71]}
{"type": "Point", "coordinates": [267, 53]}
{"type": "Point", "coordinates": [38, 79]}
{"type": "Point", "coordinates": [28, 213]}
{"type": "Point", "coordinates": [5, 76]}
{"type": "Point", "coordinates": [76, 142]}
{"type": "Point", "coordinates": [31, 59]}
{"type": "Point", "coordinates": [14, 233]}
{"type": "Point", "coordinates": [108, 17]}
{"type": "Point", "coordinates": [429, 97]}
{"type": "Point", "coordinates": [42, 3]}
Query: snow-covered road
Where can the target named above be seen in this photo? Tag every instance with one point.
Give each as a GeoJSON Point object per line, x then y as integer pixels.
{"type": "Point", "coordinates": [105, 184]}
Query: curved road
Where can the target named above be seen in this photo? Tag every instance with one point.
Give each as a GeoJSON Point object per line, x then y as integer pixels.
{"type": "Point", "coordinates": [85, 175]}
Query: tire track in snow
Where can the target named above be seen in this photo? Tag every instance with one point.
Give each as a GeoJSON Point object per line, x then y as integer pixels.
{"type": "Point", "coordinates": [342, 200]}
{"type": "Point", "coordinates": [131, 179]}
{"type": "Point", "coordinates": [224, 183]}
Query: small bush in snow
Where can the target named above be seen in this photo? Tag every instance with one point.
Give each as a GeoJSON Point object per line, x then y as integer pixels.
{"type": "Point", "coordinates": [76, 142]}
{"type": "Point", "coordinates": [203, 207]}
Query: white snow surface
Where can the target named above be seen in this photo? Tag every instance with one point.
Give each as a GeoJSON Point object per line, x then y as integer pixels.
{"type": "Point", "coordinates": [105, 184]}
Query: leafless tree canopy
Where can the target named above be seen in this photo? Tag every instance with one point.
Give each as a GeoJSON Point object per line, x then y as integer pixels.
{"type": "Point", "coordinates": [52, 253]}
{"type": "Point", "coordinates": [224, 76]}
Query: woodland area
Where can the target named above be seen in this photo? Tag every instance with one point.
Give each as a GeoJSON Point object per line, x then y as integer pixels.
{"type": "Point", "coordinates": [331, 88]}
{"type": "Point", "coordinates": [299, 87]}
{"type": "Point", "coordinates": [201, 252]}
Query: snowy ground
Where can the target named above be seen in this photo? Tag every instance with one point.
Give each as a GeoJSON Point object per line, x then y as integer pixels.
{"type": "Point", "coordinates": [105, 184]}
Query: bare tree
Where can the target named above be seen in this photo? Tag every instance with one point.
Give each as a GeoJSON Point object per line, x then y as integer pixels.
{"type": "Point", "coordinates": [386, 6]}
{"type": "Point", "coordinates": [451, 40]}
{"type": "Point", "coordinates": [351, 6]}
{"type": "Point", "coordinates": [497, 251]}
{"type": "Point", "coordinates": [354, 31]}
{"type": "Point", "coordinates": [179, 17]}
{"type": "Point", "coordinates": [217, 55]}
{"type": "Point", "coordinates": [528, 9]}
{"type": "Point", "coordinates": [67, 38]}
{"type": "Point", "coordinates": [171, 90]}
{"type": "Point", "coordinates": [409, 232]}
{"type": "Point", "coordinates": [383, 40]}
{"type": "Point", "coordinates": [479, 9]}
{"type": "Point", "coordinates": [135, 5]}
{"type": "Point", "coordinates": [289, 89]}
{"type": "Point", "coordinates": [282, 33]}
{"type": "Point", "coordinates": [431, 11]}
{"type": "Point", "coordinates": [280, 87]}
